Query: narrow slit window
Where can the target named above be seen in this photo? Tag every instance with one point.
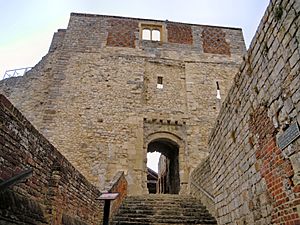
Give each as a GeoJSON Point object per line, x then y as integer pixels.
{"type": "Point", "coordinates": [146, 34]}
{"type": "Point", "coordinates": [159, 82]}
{"type": "Point", "coordinates": [218, 91]}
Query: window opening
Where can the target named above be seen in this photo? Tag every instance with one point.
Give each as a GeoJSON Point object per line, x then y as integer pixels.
{"type": "Point", "coordinates": [159, 83]}
{"type": "Point", "coordinates": [155, 35]}
{"type": "Point", "coordinates": [151, 32]}
{"type": "Point", "coordinates": [146, 34]}
{"type": "Point", "coordinates": [218, 91]}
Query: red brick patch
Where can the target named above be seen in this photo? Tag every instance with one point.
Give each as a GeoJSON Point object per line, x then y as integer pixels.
{"type": "Point", "coordinates": [122, 33]}
{"type": "Point", "coordinates": [180, 33]}
{"type": "Point", "coordinates": [214, 41]}
{"type": "Point", "coordinates": [276, 170]}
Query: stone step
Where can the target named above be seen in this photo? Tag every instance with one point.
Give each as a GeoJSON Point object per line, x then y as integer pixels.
{"type": "Point", "coordinates": [164, 205]}
{"type": "Point", "coordinates": [160, 214]}
{"type": "Point", "coordinates": [166, 219]}
{"type": "Point", "coordinates": [161, 196]}
{"type": "Point", "coordinates": [162, 209]}
{"type": "Point", "coordinates": [163, 223]}
{"type": "Point", "coordinates": [143, 223]}
{"type": "Point", "coordinates": [175, 201]}
{"type": "Point", "coordinates": [146, 212]}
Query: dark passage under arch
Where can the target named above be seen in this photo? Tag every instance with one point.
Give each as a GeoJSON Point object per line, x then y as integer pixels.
{"type": "Point", "coordinates": [168, 172]}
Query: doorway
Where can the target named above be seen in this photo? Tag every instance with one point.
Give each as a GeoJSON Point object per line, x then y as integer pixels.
{"type": "Point", "coordinates": [168, 166]}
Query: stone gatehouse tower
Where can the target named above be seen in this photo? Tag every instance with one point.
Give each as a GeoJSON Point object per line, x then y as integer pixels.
{"type": "Point", "coordinates": [111, 89]}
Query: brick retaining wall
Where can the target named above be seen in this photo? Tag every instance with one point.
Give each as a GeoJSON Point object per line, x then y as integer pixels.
{"type": "Point", "coordinates": [56, 193]}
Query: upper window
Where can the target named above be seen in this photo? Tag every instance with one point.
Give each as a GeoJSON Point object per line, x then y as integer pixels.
{"type": "Point", "coordinates": [155, 35]}
{"type": "Point", "coordinates": [151, 32]}
{"type": "Point", "coordinates": [146, 34]}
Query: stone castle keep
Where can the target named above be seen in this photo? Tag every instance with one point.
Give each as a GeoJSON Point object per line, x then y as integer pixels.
{"type": "Point", "coordinates": [112, 89]}
{"type": "Point", "coordinates": [105, 96]}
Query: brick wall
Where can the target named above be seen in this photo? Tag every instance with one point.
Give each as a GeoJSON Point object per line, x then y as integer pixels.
{"type": "Point", "coordinates": [56, 193]}
{"type": "Point", "coordinates": [117, 185]}
{"type": "Point", "coordinates": [276, 170]}
{"type": "Point", "coordinates": [254, 181]}
{"type": "Point", "coordinates": [180, 33]}
{"type": "Point", "coordinates": [214, 41]}
{"type": "Point", "coordinates": [122, 33]}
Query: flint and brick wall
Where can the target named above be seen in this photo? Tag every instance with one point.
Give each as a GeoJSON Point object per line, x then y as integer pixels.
{"type": "Point", "coordinates": [91, 94]}
{"type": "Point", "coordinates": [254, 181]}
{"type": "Point", "coordinates": [56, 193]}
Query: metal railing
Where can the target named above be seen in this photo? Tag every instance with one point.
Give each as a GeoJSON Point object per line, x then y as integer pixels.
{"type": "Point", "coordinates": [16, 179]}
{"type": "Point", "coordinates": [203, 191]}
{"type": "Point", "coordinates": [16, 72]}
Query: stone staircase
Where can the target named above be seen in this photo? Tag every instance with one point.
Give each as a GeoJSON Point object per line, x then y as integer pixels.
{"type": "Point", "coordinates": [162, 209]}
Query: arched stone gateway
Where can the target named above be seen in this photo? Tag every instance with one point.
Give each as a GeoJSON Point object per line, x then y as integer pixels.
{"type": "Point", "coordinates": [172, 169]}
{"type": "Point", "coordinates": [105, 93]}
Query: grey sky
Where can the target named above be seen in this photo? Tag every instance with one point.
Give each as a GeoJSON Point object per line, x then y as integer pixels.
{"type": "Point", "coordinates": [27, 26]}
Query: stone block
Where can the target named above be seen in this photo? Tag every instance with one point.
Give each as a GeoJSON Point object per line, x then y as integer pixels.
{"type": "Point", "coordinates": [295, 58]}
{"type": "Point", "coordinates": [288, 105]}
{"type": "Point", "coordinates": [296, 97]}
{"type": "Point", "coordinates": [295, 160]}
{"type": "Point", "coordinates": [296, 6]}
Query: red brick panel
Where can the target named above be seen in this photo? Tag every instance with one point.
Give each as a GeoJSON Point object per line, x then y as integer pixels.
{"type": "Point", "coordinates": [122, 33]}
{"type": "Point", "coordinates": [120, 186]}
{"type": "Point", "coordinates": [214, 41]}
{"type": "Point", "coordinates": [180, 33]}
{"type": "Point", "coordinates": [276, 170]}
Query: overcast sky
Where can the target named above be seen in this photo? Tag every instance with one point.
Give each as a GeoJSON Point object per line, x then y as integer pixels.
{"type": "Point", "coordinates": [27, 26]}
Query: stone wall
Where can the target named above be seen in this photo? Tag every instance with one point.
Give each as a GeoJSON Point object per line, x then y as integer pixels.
{"type": "Point", "coordinates": [255, 181]}
{"type": "Point", "coordinates": [95, 97]}
{"type": "Point", "coordinates": [57, 40]}
{"type": "Point", "coordinates": [56, 193]}
{"type": "Point", "coordinates": [201, 185]}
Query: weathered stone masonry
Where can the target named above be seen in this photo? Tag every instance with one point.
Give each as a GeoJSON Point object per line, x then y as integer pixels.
{"type": "Point", "coordinates": [94, 95]}
{"type": "Point", "coordinates": [201, 185]}
{"type": "Point", "coordinates": [254, 181]}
